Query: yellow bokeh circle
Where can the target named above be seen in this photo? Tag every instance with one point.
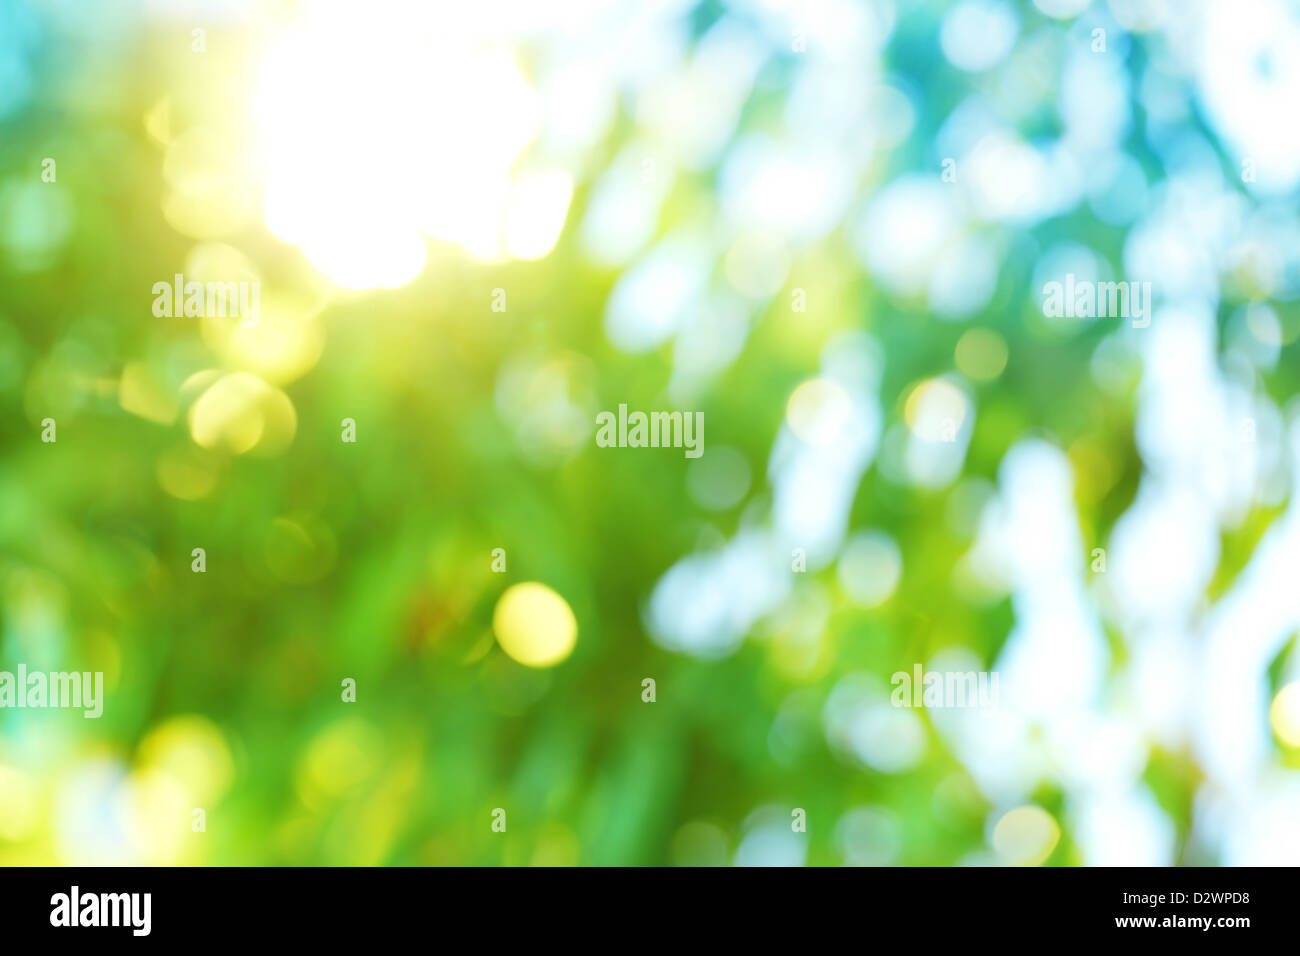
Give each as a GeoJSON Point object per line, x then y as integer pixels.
{"type": "Point", "coordinates": [1026, 836]}
{"type": "Point", "coordinates": [1284, 714]}
{"type": "Point", "coordinates": [534, 625]}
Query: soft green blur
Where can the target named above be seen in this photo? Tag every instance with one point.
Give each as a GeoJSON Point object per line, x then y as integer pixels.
{"type": "Point", "coordinates": [372, 561]}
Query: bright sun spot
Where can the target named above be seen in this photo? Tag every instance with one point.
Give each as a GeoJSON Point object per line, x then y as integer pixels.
{"type": "Point", "coordinates": [377, 131]}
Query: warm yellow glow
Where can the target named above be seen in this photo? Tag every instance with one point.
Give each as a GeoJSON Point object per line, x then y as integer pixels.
{"type": "Point", "coordinates": [935, 410]}
{"type": "Point", "coordinates": [534, 625]}
{"type": "Point", "coordinates": [817, 411]}
{"type": "Point", "coordinates": [219, 262]}
{"type": "Point", "coordinates": [240, 412]}
{"type": "Point", "coordinates": [183, 764]}
{"type": "Point", "coordinates": [158, 121]}
{"type": "Point", "coordinates": [159, 818]}
{"type": "Point", "coordinates": [416, 138]}
{"type": "Point", "coordinates": [1026, 836]}
{"type": "Point", "coordinates": [341, 756]}
{"type": "Point", "coordinates": [208, 190]}
{"type": "Point", "coordinates": [284, 343]}
{"type": "Point", "coordinates": [199, 382]}
{"type": "Point", "coordinates": [19, 804]}
{"type": "Point", "coordinates": [1284, 714]}
{"type": "Point", "coordinates": [192, 750]}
